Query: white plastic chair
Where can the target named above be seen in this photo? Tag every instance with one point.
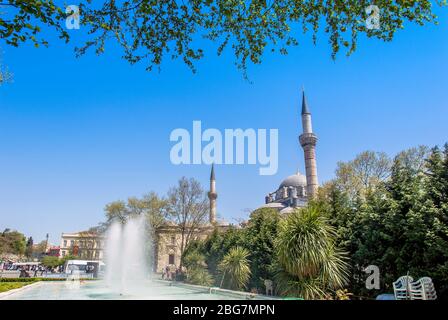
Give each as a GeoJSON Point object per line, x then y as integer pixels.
{"type": "Point", "coordinates": [401, 288]}
{"type": "Point", "coordinates": [423, 289]}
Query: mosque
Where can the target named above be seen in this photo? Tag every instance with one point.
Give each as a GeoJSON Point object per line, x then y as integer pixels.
{"type": "Point", "coordinates": [293, 192]}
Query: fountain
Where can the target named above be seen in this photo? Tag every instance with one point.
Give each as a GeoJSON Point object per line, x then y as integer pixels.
{"type": "Point", "coordinates": [73, 280]}
{"type": "Point", "coordinates": [127, 257]}
{"type": "Point", "coordinates": [127, 264]}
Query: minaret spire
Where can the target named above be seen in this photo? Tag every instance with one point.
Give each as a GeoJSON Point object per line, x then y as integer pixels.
{"type": "Point", "coordinates": [305, 109]}
{"type": "Point", "coordinates": [212, 195]}
{"type": "Point", "coordinates": [308, 141]}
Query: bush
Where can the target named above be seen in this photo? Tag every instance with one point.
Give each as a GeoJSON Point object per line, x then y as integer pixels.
{"type": "Point", "coordinates": [199, 276]}
{"type": "Point", "coordinates": [309, 264]}
{"type": "Point", "coordinates": [236, 268]}
{"type": "Point", "coordinates": [197, 272]}
{"type": "Point", "coordinates": [52, 262]}
{"type": "Point", "coordinates": [37, 279]}
{"type": "Point", "coordinates": [18, 279]}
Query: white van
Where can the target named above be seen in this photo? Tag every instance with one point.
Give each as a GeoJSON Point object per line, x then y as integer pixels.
{"type": "Point", "coordinates": [82, 267]}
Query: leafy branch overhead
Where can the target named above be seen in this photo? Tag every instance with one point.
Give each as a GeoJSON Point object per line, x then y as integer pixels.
{"type": "Point", "coordinates": [150, 30]}
{"type": "Point", "coordinates": [22, 21]}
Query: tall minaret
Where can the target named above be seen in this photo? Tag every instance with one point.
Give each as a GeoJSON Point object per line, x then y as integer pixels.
{"type": "Point", "coordinates": [308, 141]}
{"type": "Point", "coordinates": [212, 195]}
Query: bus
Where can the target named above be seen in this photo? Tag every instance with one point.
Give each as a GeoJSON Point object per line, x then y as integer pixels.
{"type": "Point", "coordinates": [27, 266]}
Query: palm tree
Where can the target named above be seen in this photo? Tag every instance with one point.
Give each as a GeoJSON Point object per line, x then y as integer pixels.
{"type": "Point", "coordinates": [309, 264]}
{"type": "Point", "coordinates": [235, 268]}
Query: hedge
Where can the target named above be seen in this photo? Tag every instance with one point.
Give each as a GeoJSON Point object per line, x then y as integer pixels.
{"type": "Point", "coordinates": [38, 279]}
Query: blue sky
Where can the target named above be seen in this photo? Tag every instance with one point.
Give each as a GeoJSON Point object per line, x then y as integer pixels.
{"type": "Point", "coordinates": [76, 134]}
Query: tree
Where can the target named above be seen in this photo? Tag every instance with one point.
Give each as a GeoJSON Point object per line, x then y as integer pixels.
{"type": "Point", "coordinates": [309, 264]}
{"type": "Point", "coordinates": [236, 269]}
{"type": "Point", "coordinates": [218, 244]}
{"type": "Point", "coordinates": [363, 174]}
{"type": "Point", "coordinates": [150, 30]}
{"type": "Point", "coordinates": [194, 261]}
{"type": "Point", "coordinates": [52, 262]}
{"type": "Point", "coordinates": [151, 205]}
{"type": "Point", "coordinates": [399, 225]}
{"type": "Point", "coordinates": [12, 242]}
{"type": "Point", "coordinates": [5, 75]}
{"type": "Point", "coordinates": [22, 21]}
{"type": "Point", "coordinates": [188, 208]}
{"type": "Point", "coordinates": [259, 236]}
{"type": "Point", "coordinates": [437, 176]}
{"type": "Point", "coordinates": [116, 210]}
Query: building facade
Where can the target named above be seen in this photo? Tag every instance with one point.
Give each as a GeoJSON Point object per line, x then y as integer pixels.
{"type": "Point", "coordinates": [85, 245]}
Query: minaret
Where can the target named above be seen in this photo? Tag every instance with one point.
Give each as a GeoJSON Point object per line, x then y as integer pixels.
{"type": "Point", "coordinates": [212, 195]}
{"type": "Point", "coordinates": [308, 141]}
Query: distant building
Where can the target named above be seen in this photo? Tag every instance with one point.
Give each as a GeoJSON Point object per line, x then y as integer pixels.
{"type": "Point", "coordinates": [54, 251]}
{"type": "Point", "coordinates": [85, 245]}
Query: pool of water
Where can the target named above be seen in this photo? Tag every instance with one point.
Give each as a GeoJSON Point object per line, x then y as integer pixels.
{"type": "Point", "coordinates": [91, 290]}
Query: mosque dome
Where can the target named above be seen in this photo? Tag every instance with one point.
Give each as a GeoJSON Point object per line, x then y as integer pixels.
{"type": "Point", "coordinates": [222, 223]}
{"type": "Point", "coordinates": [296, 180]}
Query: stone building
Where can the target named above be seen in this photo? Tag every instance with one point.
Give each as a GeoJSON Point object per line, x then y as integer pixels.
{"type": "Point", "coordinates": [86, 245]}
{"type": "Point", "coordinates": [295, 190]}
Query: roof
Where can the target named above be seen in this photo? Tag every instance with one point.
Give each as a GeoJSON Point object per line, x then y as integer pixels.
{"type": "Point", "coordinates": [295, 180]}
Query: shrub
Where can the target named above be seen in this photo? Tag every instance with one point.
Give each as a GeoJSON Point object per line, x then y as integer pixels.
{"type": "Point", "coordinates": [309, 264]}
{"type": "Point", "coordinates": [235, 268]}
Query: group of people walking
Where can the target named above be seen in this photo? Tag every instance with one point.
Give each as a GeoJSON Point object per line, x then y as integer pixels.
{"type": "Point", "coordinates": [170, 272]}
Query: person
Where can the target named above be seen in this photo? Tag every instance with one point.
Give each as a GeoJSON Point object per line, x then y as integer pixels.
{"type": "Point", "coordinates": [23, 273]}
{"type": "Point", "coordinates": [269, 287]}
{"type": "Point", "coordinates": [167, 272]}
{"type": "Point", "coordinates": [163, 273]}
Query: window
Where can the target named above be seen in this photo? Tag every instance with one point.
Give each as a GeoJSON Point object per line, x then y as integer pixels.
{"type": "Point", "coordinates": [63, 253]}
{"type": "Point", "coordinates": [65, 243]}
{"type": "Point", "coordinates": [173, 240]}
{"type": "Point", "coordinates": [171, 259]}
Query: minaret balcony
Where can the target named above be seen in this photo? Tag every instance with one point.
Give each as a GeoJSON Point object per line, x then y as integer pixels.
{"type": "Point", "coordinates": [212, 195]}
{"type": "Point", "coordinates": [308, 139]}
